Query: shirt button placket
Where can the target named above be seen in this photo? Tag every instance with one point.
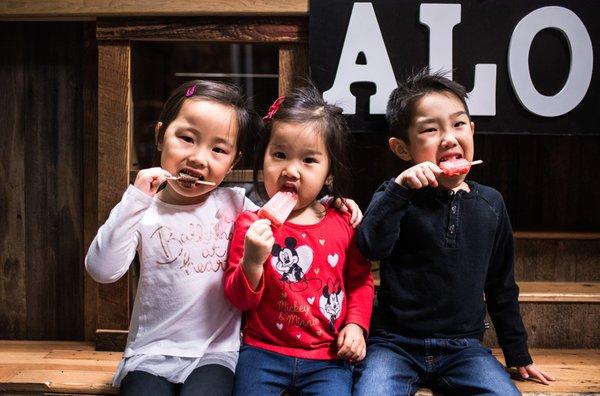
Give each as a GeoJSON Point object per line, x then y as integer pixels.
{"type": "Point", "coordinates": [453, 222]}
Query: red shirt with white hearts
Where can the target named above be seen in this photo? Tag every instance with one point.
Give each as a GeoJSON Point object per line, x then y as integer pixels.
{"type": "Point", "coordinates": [314, 283]}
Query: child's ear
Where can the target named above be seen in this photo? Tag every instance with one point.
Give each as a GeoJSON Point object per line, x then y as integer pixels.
{"type": "Point", "coordinates": [400, 148]}
{"type": "Point", "coordinates": [235, 161]}
{"type": "Point", "coordinates": [329, 181]}
{"type": "Point", "coordinates": [472, 128]}
{"type": "Point", "coordinates": [156, 134]}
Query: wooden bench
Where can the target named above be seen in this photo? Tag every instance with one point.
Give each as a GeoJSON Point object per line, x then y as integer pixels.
{"type": "Point", "coordinates": [55, 367]}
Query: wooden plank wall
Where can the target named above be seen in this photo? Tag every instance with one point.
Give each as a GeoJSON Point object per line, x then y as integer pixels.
{"type": "Point", "coordinates": [41, 181]}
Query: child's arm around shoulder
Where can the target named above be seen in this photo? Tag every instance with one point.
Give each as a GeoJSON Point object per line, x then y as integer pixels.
{"type": "Point", "coordinates": [380, 227]}
{"type": "Point", "coordinates": [250, 247]}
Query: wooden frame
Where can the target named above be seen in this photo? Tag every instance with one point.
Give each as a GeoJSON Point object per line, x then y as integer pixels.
{"type": "Point", "coordinates": [78, 9]}
{"type": "Point", "coordinates": [115, 121]}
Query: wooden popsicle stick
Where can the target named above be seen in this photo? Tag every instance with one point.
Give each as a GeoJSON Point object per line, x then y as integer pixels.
{"type": "Point", "coordinates": [476, 162]}
{"type": "Point", "coordinates": [206, 182]}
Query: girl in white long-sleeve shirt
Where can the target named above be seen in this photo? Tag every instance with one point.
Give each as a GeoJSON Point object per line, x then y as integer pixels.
{"type": "Point", "coordinates": [184, 335]}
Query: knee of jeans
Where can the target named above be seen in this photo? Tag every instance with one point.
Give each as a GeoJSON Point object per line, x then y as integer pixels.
{"type": "Point", "coordinates": [382, 375]}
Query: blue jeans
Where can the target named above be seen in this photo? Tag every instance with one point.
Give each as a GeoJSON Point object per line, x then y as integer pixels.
{"type": "Point", "coordinates": [260, 372]}
{"type": "Point", "coordinates": [397, 365]}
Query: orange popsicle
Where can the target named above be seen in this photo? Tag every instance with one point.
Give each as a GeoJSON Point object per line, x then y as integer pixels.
{"type": "Point", "coordinates": [279, 207]}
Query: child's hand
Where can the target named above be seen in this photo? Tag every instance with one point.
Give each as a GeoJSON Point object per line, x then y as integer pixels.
{"type": "Point", "coordinates": [149, 180]}
{"type": "Point", "coordinates": [349, 205]}
{"type": "Point", "coordinates": [351, 343]}
{"type": "Point", "coordinates": [534, 372]}
{"type": "Point", "coordinates": [420, 175]}
{"type": "Point", "coordinates": [258, 243]}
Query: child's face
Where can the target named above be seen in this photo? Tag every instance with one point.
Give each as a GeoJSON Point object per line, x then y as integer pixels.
{"type": "Point", "coordinates": [201, 142]}
{"type": "Point", "coordinates": [296, 157]}
{"type": "Point", "coordinates": [440, 130]}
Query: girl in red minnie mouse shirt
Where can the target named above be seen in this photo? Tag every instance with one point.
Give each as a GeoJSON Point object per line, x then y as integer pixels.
{"type": "Point", "coordinates": [306, 290]}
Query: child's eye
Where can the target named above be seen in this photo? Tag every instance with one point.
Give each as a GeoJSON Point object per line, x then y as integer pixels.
{"type": "Point", "coordinates": [187, 139]}
{"type": "Point", "coordinates": [279, 155]}
{"type": "Point", "coordinates": [219, 150]}
{"type": "Point", "coordinates": [428, 130]}
{"type": "Point", "coordinates": [460, 123]}
{"type": "Point", "coordinates": [310, 160]}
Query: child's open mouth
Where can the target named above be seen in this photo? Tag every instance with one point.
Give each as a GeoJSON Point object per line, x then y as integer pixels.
{"type": "Point", "coordinates": [449, 157]}
{"type": "Point", "coordinates": [290, 189]}
{"type": "Point", "coordinates": [188, 178]}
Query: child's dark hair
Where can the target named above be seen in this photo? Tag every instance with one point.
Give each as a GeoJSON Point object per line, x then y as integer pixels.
{"type": "Point", "coordinates": [400, 107]}
{"type": "Point", "coordinates": [305, 105]}
{"type": "Point", "coordinates": [215, 91]}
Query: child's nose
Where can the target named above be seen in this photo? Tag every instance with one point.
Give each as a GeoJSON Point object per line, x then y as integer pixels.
{"type": "Point", "coordinates": [291, 171]}
{"type": "Point", "coordinates": [199, 157]}
{"type": "Point", "coordinates": [449, 139]}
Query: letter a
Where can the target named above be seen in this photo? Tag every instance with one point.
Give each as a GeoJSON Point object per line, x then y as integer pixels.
{"type": "Point", "coordinates": [363, 35]}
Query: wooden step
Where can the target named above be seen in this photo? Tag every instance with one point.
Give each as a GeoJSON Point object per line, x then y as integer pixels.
{"type": "Point", "coordinates": [559, 292]}
{"type": "Point", "coordinates": [582, 292]}
{"type": "Point", "coordinates": [555, 314]}
{"type": "Point", "coordinates": [550, 260]}
{"type": "Point", "coordinates": [76, 368]}
{"type": "Point", "coordinates": [534, 234]}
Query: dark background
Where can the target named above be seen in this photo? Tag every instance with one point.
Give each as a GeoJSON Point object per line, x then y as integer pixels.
{"type": "Point", "coordinates": [482, 36]}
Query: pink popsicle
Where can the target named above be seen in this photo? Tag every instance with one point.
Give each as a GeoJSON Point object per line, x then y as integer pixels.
{"type": "Point", "coordinates": [456, 167]}
{"type": "Point", "coordinates": [279, 207]}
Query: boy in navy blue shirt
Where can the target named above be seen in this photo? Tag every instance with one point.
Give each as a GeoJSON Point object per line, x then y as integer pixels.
{"type": "Point", "coordinates": [443, 243]}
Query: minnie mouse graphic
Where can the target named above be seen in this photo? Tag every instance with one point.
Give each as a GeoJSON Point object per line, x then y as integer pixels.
{"type": "Point", "coordinates": [331, 301]}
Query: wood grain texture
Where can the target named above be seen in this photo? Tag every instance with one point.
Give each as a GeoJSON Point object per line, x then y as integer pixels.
{"type": "Point", "coordinates": [77, 368]}
{"type": "Point", "coordinates": [214, 29]}
{"type": "Point", "coordinates": [293, 66]}
{"type": "Point", "coordinates": [44, 130]}
{"type": "Point", "coordinates": [69, 272]}
{"type": "Point", "coordinates": [87, 9]}
{"type": "Point", "coordinates": [114, 123]}
{"type": "Point", "coordinates": [13, 315]}
{"type": "Point", "coordinates": [559, 292]}
{"type": "Point", "coordinates": [90, 160]}
{"type": "Point", "coordinates": [556, 235]}
{"type": "Point", "coordinates": [557, 260]}
{"type": "Point", "coordinates": [558, 325]}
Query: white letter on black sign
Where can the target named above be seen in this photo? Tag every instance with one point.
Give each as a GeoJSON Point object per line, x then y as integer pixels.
{"type": "Point", "coordinates": [363, 35]}
{"type": "Point", "coordinates": [441, 19]}
{"type": "Point", "coordinates": [582, 61]}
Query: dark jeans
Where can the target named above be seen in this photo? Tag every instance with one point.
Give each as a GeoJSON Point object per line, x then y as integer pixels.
{"type": "Point", "coordinates": [260, 372]}
{"type": "Point", "coordinates": [397, 365]}
{"type": "Point", "coordinates": [212, 379]}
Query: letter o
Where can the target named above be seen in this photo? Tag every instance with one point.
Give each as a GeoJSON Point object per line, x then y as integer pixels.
{"type": "Point", "coordinates": [582, 61]}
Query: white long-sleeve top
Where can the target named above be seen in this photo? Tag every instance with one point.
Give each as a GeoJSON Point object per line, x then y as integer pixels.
{"type": "Point", "coordinates": [180, 310]}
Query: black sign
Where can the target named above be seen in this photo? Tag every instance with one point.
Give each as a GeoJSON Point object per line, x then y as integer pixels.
{"type": "Point", "coordinates": [531, 66]}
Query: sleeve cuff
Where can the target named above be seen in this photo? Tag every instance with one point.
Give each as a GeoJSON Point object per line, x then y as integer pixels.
{"type": "Point", "coordinates": [518, 360]}
{"type": "Point", "coordinates": [397, 190]}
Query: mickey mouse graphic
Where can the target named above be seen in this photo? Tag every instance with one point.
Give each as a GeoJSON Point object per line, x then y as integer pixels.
{"type": "Point", "coordinates": [330, 302]}
{"type": "Point", "coordinates": [286, 260]}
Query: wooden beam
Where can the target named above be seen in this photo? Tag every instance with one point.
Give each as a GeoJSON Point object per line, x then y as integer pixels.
{"type": "Point", "coordinates": [90, 171]}
{"type": "Point", "coordinates": [78, 9]}
{"type": "Point", "coordinates": [559, 292]}
{"type": "Point", "coordinates": [556, 235]}
{"type": "Point", "coordinates": [114, 125]}
{"type": "Point", "coordinates": [293, 66]}
{"type": "Point", "coordinates": [220, 29]}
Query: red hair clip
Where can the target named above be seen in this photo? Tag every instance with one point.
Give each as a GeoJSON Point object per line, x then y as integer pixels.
{"type": "Point", "coordinates": [274, 108]}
